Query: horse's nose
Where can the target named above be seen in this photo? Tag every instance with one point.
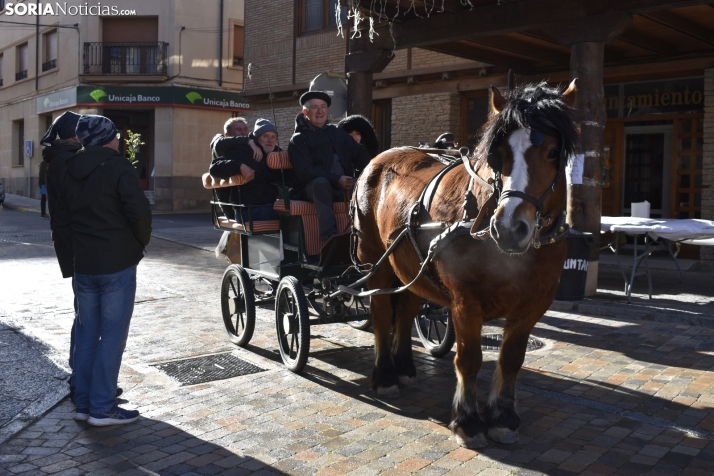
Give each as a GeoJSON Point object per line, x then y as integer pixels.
{"type": "Point", "coordinates": [513, 235]}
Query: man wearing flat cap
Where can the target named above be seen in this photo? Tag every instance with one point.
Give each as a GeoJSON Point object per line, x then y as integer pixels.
{"type": "Point", "coordinates": [326, 160]}
{"type": "Point", "coordinates": [110, 219]}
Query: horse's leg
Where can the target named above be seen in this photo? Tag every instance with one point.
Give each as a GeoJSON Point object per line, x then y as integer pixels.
{"type": "Point", "coordinates": [407, 307]}
{"type": "Point", "coordinates": [384, 375]}
{"type": "Point", "coordinates": [500, 412]}
{"type": "Point", "coordinates": [466, 423]}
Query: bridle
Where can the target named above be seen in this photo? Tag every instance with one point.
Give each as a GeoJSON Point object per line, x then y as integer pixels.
{"type": "Point", "coordinates": [495, 184]}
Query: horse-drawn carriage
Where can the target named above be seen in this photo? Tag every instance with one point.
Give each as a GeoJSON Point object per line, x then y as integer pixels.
{"type": "Point", "coordinates": [285, 261]}
{"type": "Point", "coordinates": [483, 236]}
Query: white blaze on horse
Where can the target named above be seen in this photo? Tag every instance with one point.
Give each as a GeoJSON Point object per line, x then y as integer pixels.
{"type": "Point", "coordinates": [492, 234]}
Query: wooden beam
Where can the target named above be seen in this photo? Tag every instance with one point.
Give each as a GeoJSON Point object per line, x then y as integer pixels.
{"type": "Point", "coordinates": [494, 19]}
{"type": "Point", "coordinates": [683, 26]}
{"type": "Point", "coordinates": [513, 45]}
{"type": "Point", "coordinates": [647, 43]}
{"type": "Point", "coordinates": [467, 49]}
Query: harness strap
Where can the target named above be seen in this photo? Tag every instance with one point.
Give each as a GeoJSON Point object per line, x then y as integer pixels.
{"type": "Point", "coordinates": [476, 176]}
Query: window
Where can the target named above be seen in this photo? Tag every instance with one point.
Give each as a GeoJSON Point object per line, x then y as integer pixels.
{"type": "Point", "coordinates": [50, 50]}
{"type": "Point", "coordinates": [320, 15]}
{"type": "Point", "coordinates": [18, 134]}
{"type": "Point", "coordinates": [2, 5]}
{"type": "Point", "coordinates": [21, 62]}
{"type": "Point", "coordinates": [1, 70]}
{"type": "Point", "coordinates": [237, 43]}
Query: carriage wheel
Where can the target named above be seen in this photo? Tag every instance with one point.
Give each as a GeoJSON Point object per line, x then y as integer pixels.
{"type": "Point", "coordinates": [238, 305]}
{"type": "Point", "coordinates": [435, 329]}
{"type": "Point", "coordinates": [292, 324]}
{"type": "Point", "coordinates": [356, 307]}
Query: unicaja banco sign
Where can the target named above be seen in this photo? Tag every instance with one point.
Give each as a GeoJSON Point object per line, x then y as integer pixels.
{"type": "Point", "coordinates": [161, 96]}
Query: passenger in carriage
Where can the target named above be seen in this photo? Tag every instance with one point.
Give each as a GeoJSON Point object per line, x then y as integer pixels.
{"type": "Point", "coordinates": [237, 157]}
{"type": "Point", "coordinates": [326, 160]}
{"type": "Point", "coordinates": [235, 132]}
{"type": "Point", "coordinates": [361, 131]}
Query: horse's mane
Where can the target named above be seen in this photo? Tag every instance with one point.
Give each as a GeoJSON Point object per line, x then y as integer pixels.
{"type": "Point", "coordinates": [534, 106]}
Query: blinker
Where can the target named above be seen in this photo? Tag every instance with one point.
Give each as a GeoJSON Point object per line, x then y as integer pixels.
{"type": "Point", "coordinates": [537, 137]}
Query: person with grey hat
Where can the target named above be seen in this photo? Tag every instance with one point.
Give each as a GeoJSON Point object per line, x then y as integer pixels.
{"type": "Point", "coordinates": [236, 157]}
{"type": "Point", "coordinates": [109, 215]}
{"type": "Point", "coordinates": [326, 160]}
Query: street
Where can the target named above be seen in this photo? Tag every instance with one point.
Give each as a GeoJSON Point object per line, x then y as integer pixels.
{"type": "Point", "coordinates": [605, 395]}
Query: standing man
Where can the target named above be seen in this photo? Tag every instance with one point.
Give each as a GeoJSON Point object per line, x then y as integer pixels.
{"type": "Point", "coordinates": [60, 144]}
{"type": "Point", "coordinates": [111, 225]}
{"type": "Point", "coordinates": [325, 158]}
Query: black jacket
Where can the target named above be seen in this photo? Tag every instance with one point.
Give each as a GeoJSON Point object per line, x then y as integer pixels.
{"type": "Point", "coordinates": [56, 156]}
{"type": "Point", "coordinates": [229, 154]}
{"type": "Point", "coordinates": [107, 209]}
{"type": "Point", "coordinates": [311, 152]}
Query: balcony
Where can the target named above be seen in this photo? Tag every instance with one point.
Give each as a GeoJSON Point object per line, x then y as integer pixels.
{"type": "Point", "coordinates": [52, 64]}
{"type": "Point", "coordinates": [21, 75]}
{"type": "Point", "coordinates": [127, 60]}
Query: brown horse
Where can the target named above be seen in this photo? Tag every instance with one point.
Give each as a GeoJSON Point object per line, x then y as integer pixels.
{"type": "Point", "coordinates": [508, 275]}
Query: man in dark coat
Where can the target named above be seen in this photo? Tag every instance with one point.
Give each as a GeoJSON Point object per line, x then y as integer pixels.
{"type": "Point", "coordinates": [235, 133]}
{"type": "Point", "coordinates": [234, 157]}
{"type": "Point", "coordinates": [111, 225]}
{"type": "Point", "coordinates": [326, 160]}
{"type": "Point", "coordinates": [60, 143]}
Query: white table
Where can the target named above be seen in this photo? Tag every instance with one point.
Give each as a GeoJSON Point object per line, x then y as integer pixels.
{"type": "Point", "coordinates": [658, 233]}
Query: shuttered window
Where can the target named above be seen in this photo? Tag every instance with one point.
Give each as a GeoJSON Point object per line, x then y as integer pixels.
{"type": "Point", "coordinates": [238, 45]}
{"type": "Point", "coordinates": [1, 69]}
{"type": "Point", "coordinates": [22, 58]}
{"type": "Point", "coordinates": [320, 15]}
{"type": "Point", "coordinates": [50, 46]}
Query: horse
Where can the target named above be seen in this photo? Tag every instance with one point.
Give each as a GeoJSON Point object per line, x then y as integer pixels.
{"type": "Point", "coordinates": [516, 177]}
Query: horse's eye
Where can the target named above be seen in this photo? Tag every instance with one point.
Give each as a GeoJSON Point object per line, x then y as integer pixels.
{"type": "Point", "coordinates": [553, 154]}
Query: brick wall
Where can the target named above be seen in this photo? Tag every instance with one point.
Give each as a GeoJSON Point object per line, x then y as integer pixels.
{"type": "Point", "coordinates": [271, 47]}
{"type": "Point", "coordinates": [424, 118]}
{"type": "Point", "coordinates": [318, 53]}
{"type": "Point", "coordinates": [707, 252]}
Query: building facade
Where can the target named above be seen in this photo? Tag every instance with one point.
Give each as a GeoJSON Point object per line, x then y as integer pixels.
{"type": "Point", "coordinates": [170, 70]}
{"type": "Point", "coordinates": [659, 137]}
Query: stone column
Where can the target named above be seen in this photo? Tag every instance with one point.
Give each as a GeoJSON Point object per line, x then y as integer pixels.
{"type": "Point", "coordinates": [360, 68]}
{"type": "Point", "coordinates": [587, 39]}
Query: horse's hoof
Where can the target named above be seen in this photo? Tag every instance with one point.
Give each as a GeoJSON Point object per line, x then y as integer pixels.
{"type": "Point", "coordinates": [473, 442]}
{"type": "Point", "coordinates": [407, 381]}
{"type": "Point", "coordinates": [503, 435]}
{"type": "Point", "coordinates": [388, 392]}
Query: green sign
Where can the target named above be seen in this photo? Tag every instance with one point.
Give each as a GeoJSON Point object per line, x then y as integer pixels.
{"type": "Point", "coordinates": [137, 96]}
{"type": "Point", "coordinates": [57, 100]}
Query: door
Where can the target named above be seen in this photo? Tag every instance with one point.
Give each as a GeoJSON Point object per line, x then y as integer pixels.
{"type": "Point", "coordinates": [647, 168]}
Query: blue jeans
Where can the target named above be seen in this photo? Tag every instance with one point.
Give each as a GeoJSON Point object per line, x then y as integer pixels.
{"type": "Point", "coordinates": [105, 304]}
{"type": "Point", "coordinates": [259, 212]}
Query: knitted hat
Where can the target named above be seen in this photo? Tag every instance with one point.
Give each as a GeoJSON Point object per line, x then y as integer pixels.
{"type": "Point", "coordinates": [64, 127]}
{"type": "Point", "coordinates": [95, 130]}
{"type": "Point", "coordinates": [262, 126]}
{"type": "Point", "coordinates": [315, 95]}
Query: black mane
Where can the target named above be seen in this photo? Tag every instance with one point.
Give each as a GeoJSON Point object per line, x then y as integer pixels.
{"type": "Point", "coordinates": [534, 106]}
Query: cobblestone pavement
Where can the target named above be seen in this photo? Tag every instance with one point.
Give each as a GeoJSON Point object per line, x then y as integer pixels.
{"type": "Point", "coordinates": [606, 395]}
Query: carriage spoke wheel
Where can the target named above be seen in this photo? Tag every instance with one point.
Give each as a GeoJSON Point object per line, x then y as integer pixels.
{"type": "Point", "coordinates": [292, 324]}
{"type": "Point", "coordinates": [238, 305]}
{"type": "Point", "coordinates": [435, 329]}
{"type": "Point", "coordinates": [357, 307]}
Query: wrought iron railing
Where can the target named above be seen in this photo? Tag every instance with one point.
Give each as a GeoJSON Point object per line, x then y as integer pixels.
{"type": "Point", "coordinates": [21, 75]}
{"type": "Point", "coordinates": [49, 65]}
{"type": "Point", "coordinates": [125, 58]}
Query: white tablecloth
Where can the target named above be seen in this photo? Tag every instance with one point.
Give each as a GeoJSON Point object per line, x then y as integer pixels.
{"type": "Point", "coordinates": [691, 230]}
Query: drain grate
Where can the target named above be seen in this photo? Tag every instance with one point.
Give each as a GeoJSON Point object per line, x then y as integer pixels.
{"type": "Point", "coordinates": [207, 368]}
{"type": "Point", "coordinates": [493, 342]}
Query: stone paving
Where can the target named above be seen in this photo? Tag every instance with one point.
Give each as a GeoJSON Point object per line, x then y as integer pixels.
{"type": "Point", "coordinates": [606, 395]}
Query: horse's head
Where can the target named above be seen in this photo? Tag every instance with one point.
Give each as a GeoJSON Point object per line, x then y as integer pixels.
{"type": "Point", "coordinates": [527, 142]}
